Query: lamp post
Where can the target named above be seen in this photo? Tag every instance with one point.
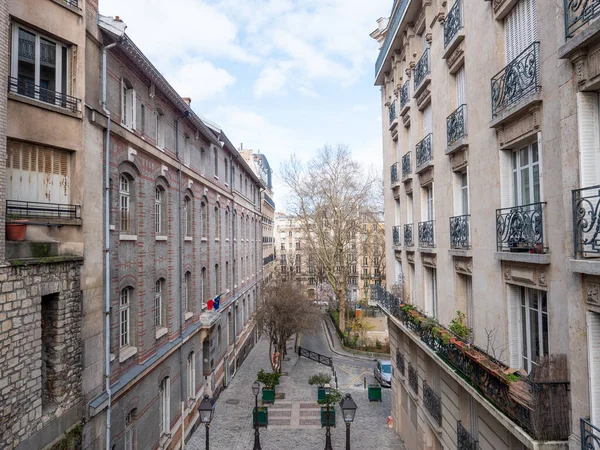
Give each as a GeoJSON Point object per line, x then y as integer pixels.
{"type": "Point", "coordinates": [206, 410]}
{"type": "Point", "coordinates": [255, 391]}
{"type": "Point", "coordinates": [348, 407]}
{"type": "Point", "coordinates": [327, 389]}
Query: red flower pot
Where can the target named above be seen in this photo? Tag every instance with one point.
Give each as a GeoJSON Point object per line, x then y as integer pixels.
{"type": "Point", "coordinates": [16, 231]}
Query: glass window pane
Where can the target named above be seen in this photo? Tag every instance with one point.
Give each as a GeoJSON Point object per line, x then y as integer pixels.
{"type": "Point", "coordinates": [534, 152]}
{"type": "Point", "coordinates": [47, 70]}
{"type": "Point", "coordinates": [525, 187]}
{"type": "Point", "coordinates": [64, 72]}
{"type": "Point", "coordinates": [26, 63]}
{"type": "Point", "coordinates": [524, 158]}
{"type": "Point", "coordinates": [536, 183]}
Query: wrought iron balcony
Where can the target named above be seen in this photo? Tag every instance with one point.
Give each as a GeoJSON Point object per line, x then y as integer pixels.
{"type": "Point", "coordinates": [578, 13]}
{"type": "Point", "coordinates": [400, 362]}
{"type": "Point", "coordinates": [29, 89]}
{"type": "Point", "coordinates": [394, 173]}
{"type": "Point", "coordinates": [521, 228]}
{"type": "Point", "coordinates": [464, 440]}
{"type": "Point", "coordinates": [590, 435]}
{"type": "Point", "coordinates": [456, 125]}
{"type": "Point", "coordinates": [422, 69]}
{"type": "Point", "coordinates": [459, 232]}
{"type": "Point", "coordinates": [413, 379]}
{"type": "Point", "coordinates": [427, 234]}
{"type": "Point", "coordinates": [408, 235]}
{"type": "Point", "coordinates": [391, 34]}
{"type": "Point", "coordinates": [453, 23]}
{"type": "Point", "coordinates": [433, 403]}
{"type": "Point", "coordinates": [392, 111]}
{"type": "Point", "coordinates": [406, 169]}
{"type": "Point", "coordinates": [396, 235]}
{"type": "Point", "coordinates": [39, 210]}
{"type": "Point", "coordinates": [586, 220]}
{"type": "Point", "coordinates": [424, 151]}
{"type": "Point", "coordinates": [404, 95]}
{"type": "Point", "coordinates": [517, 80]}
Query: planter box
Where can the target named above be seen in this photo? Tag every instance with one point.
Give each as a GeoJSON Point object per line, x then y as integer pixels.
{"type": "Point", "coordinates": [320, 393]}
{"type": "Point", "coordinates": [261, 417]}
{"type": "Point", "coordinates": [374, 392]}
{"type": "Point", "coordinates": [268, 395]}
{"type": "Point", "coordinates": [328, 418]}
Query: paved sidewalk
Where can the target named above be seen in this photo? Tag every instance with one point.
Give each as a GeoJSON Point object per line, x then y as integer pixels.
{"type": "Point", "coordinates": [294, 420]}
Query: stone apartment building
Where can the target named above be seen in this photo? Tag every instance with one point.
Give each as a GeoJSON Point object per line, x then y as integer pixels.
{"type": "Point", "coordinates": [490, 130]}
{"type": "Point", "coordinates": [184, 226]}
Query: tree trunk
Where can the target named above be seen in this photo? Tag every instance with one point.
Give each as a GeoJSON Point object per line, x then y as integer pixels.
{"type": "Point", "coordinates": [342, 316]}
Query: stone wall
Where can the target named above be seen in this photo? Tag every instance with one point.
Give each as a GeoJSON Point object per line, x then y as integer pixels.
{"type": "Point", "coordinates": [40, 352]}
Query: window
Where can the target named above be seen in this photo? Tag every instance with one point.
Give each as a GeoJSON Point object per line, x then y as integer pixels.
{"type": "Point", "coordinates": [202, 161]}
{"type": "Point", "coordinates": [128, 108]}
{"type": "Point", "coordinates": [431, 307]}
{"type": "Point", "coordinates": [165, 406]}
{"type": "Point", "coordinates": [191, 376]}
{"type": "Point", "coordinates": [534, 326]}
{"type": "Point", "coordinates": [460, 87]}
{"type": "Point", "coordinates": [204, 217]}
{"type": "Point", "coordinates": [464, 193]}
{"type": "Point", "coordinates": [526, 175]}
{"type": "Point", "coordinates": [124, 206]}
{"type": "Point", "coordinates": [298, 260]}
{"type": "Point", "coordinates": [520, 28]}
{"type": "Point", "coordinates": [589, 138]}
{"type": "Point", "coordinates": [203, 286]}
{"type": "Point", "coordinates": [298, 269]}
{"type": "Point", "coordinates": [429, 210]}
{"type": "Point", "coordinates": [297, 245]}
{"type": "Point", "coordinates": [143, 118]}
{"type": "Point", "coordinates": [129, 431]}
{"type": "Point", "coordinates": [160, 129]}
{"type": "Point", "coordinates": [593, 343]}
{"type": "Point", "coordinates": [124, 304]}
{"type": "Point", "coordinates": [227, 224]}
{"type": "Point", "coordinates": [290, 234]}
{"type": "Point", "coordinates": [187, 285]}
{"type": "Point", "coordinates": [187, 217]}
{"type": "Point", "coordinates": [158, 210]}
{"type": "Point", "coordinates": [217, 280]}
{"type": "Point", "coordinates": [39, 66]}
{"type": "Point", "coordinates": [227, 276]}
{"type": "Point", "coordinates": [217, 222]}
{"type": "Point", "coordinates": [226, 165]}
{"type": "Point", "coordinates": [158, 306]}
{"type": "Point", "coordinates": [219, 337]}
{"type": "Point", "coordinates": [216, 158]}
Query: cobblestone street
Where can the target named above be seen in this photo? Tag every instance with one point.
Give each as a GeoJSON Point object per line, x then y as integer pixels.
{"type": "Point", "coordinates": [294, 420]}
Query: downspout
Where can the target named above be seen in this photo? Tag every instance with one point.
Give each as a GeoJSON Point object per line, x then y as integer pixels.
{"type": "Point", "coordinates": [233, 246]}
{"type": "Point", "coordinates": [106, 247]}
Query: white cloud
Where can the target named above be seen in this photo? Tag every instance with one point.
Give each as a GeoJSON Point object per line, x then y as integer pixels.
{"type": "Point", "coordinates": [199, 79]}
{"type": "Point", "coordinates": [272, 80]}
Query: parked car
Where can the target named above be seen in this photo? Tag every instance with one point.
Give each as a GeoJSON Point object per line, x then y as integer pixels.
{"type": "Point", "coordinates": [383, 372]}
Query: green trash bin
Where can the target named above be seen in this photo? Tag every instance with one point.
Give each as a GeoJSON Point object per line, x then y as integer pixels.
{"type": "Point", "coordinates": [374, 392]}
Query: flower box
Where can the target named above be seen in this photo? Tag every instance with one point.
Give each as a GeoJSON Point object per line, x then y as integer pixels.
{"type": "Point", "coordinates": [320, 393]}
{"type": "Point", "coordinates": [261, 417]}
{"type": "Point", "coordinates": [268, 395]}
{"type": "Point", "coordinates": [328, 417]}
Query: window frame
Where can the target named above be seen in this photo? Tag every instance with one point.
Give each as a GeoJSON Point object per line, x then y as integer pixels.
{"type": "Point", "coordinates": [517, 170]}
{"type": "Point", "coordinates": [158, 210]}
{"type": "Point", "coordinates": [191, 377]}
{"type": "Point", "coordinates": [125, 225]}
{"type": "Point", "coordinates": [164, 391]}
{"type": "Point", "coordinates": [188, 224]}
{"type": "Point", "coordinates": [187, 283]}
{"type": "Point", "coordinates": [125, 318]}
{"type": "Point", "coordinates": [158, 305]}
{"type": "Point", "coordinates": [525, 311]}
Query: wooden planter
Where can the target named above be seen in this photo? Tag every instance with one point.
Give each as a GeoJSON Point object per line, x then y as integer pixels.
{"type": "Point", "coordinates": [374, 393]}
{"type": "Point", "coordinates": [16, 231]}
{"type": "Point", "coordinates": [320, 393]}
{"type": "Point", "coordinates": [268, 395]}
{"type": "Point", "coordinates": [328, 417]}
{"type": "Point", "coordinates": [261, 417]}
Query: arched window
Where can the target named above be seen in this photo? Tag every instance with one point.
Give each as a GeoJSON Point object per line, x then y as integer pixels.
{"type": "Point", "coordinates": [130, 430]}
{"type": "Point", "coordinates": [187, 284]}
{"type": "Point", "coordinates": [203, 286]}
{"type": "Point", "coordinates": [187, 217]}
{"type": "Point", "coordinates": [159, 317]}
{"type": "Point", "coordinates": [124, 316]}
{"type": "Point", "coordinates": [159, 211]}
{"type": "Point", "coordinates": [191, 376]}
{"type": "Point", "coordinates": [227, 225]}
{"type": "Point", "coordinates": [204, 217]}
{"type": "Point", "coordinates": [165, 406]}
{"type": "Point", "coordinates": [217, 280]}
{"type": "Point", "coordinates": [227, 276]}
{"type": "Point", "coordinates": [125, 203]}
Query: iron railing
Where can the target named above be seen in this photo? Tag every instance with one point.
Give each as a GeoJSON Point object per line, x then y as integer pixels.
{"type": "Point", "coordinates": [268, 259]}
{"type": "Point", "coordinates": [459, 232]}
{"type": "Point", "coordinates": [456, 125]}
{"type": "Point", "coordinates": [424, 150]}
{"type": "Point", "coordinates": [73, 3]}
{"type": "Point", "coordinates": [422, 68]}
{"type": "Point", "coordinates": [269, 200]}
{"type": "Point", "coordinates": [586, 220]}
{"type": "Point", "coordinates": [391, 34]}
{"type": "Point", "coordinates": [394, 173]}
{"type": "Point", "coordinates": [578, 13]}
{"type": "Point", "coordinates": [396, 235]}
{"type": "Point", "coordinates": [433, 403]}
{"type": "Point", "coordinates": [453, 23]}
{"type": "Point", "coordinates": [427, 234]}
{"type": "Point", "coordinates": [406, 169]}
{"type": "Point", "coordinates": [517, 80]}
{"type": "Point", "coordinates": [317, 357]}
{"type": "Point", "coordinates": [404, 94]}
{"type": "Point", "coordinates": [408, 235]}
{"type": "Point", "coordinates": [400, 362]}
{"type": "Point", "coordinates": [19, 209]}
{"type": "Point", "coordinates": [464, 440]}
{"type": "Point", "coordinates": [413, 379]}
{"type": "Point", "coordinates": [29, 89]}
{"type": "Point", "coordinates": [521, 228]}
{"type": "Point", "coordinates": [590, 435]}
{"type": "Point", "coordinates": [392, 111]}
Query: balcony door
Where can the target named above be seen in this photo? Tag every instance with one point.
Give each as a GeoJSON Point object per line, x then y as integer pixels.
{"type": "Point", "coordinates": [526, 175]}
{"type": "Point", "coordinates": [593, 322]}
{"type": "Point", "coordinates": [520, 29]}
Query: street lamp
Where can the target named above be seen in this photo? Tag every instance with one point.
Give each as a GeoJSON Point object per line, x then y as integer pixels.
{"type": "Point", "coordinates": [206, 410]}
{"type": "Point", "coordinates": [255, 391]}
{"type": "Point", "coordinates": [348, 407]}
{"type": "Point", "coordinates": [327, 389]}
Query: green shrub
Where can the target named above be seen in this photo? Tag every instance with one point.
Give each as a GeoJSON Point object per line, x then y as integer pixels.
{"type": "Point", "coordinates": [459, 327]}
{"type": "Point", "coordinates": [269, 379]}
{"type": "Point", "coordinates": [320, 379]}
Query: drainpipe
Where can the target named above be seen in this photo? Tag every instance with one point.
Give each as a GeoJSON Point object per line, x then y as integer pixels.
{"type": "Point", "coordinates": [233, 246]}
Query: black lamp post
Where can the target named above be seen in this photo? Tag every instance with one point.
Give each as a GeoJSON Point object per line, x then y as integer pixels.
{"type": "Point", "coordinates": [255, 391]}
{"type": "Point", "coordinates": [327, 389]}
{"type": "Point", "coordinates": [348, 407]}
{"type": "Point", "coordinates": [206, 410]}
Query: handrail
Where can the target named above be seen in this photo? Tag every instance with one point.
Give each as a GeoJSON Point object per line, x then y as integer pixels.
{"type": "Point", "coordinates": [317, 357]}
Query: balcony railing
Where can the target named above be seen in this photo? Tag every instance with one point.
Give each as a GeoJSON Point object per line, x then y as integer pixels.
{"type": "Point", "coordinates": [586, 220]}
{"type": "Point", "coordinates": [422, 68]}
{"type": "Point", "coordinates": [427, 234]}
{"type": "Point", "coordinates": [456, 125]}
{"type": "Point", "coordinates": [424, 150]}
{"type": "Point", "coordinates": [394, 173]}
{"type": "Point", "coordinates": [73, 3]}
{"type": "Point", "coordinates": [578, 13]}
{"type": "Point", "coordinates": [408, 235]}
{"type": "Point", "coordinates": [396, 235]}
{"type": "Point", "coordinates": [400, 362]}
{"type": "Point", "coordinates": [459, 232]}
{"type": "Point", "coordinates": [521, 228]}
{"type": "Point", "coordinates": [404, 95]}
{"type": "Point", "coordinates": [391, 34]}
{"type": "Point", "coordinates": [406, 169]}
{"type": "Point", "coordinates": [39, 210]}
{"type": "Point", "coordinates": [29, 89]}
{"type": "Point", "coordinates": [453, 23]}
{"type": "Point", "coordinates": [517, 80]}
{"type": "Point", "coordinates": [413, 379]}
{"type": "Point", "coordinates": [392, 111]}
{"type": "Point", "coordinates": [590, 435]}
{"type": "Point", "coordinates": [433, 403]}
{"type": "Point", "coordinates": [269, 200]}
{"type": "Point", "coordinates": [464, 440]}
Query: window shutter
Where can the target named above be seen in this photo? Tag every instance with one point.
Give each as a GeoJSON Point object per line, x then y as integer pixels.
{"type": "Point", "coordinates": [133, 109]}
{"type": "Point", "coordinates": [514, 325]}
{"type": "Point", "coordinates": [460, 87]}
{"type": "Point", "coordinates": [505, 179]}
{"type": "Point", "coordinates": [593, 322]}
{"type": "Point", "coordinates": [427, 118]}
{"type": "Point", "coordinates": [520, 28]}
{"type": "Point", "coordinates": [122, 102]}
{"type": "Point", "coordinates": [589, 138]}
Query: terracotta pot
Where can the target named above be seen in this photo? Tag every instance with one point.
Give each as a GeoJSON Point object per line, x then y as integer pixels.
{"type": "Point", "coordinates": [453, 341]}
{"type": "Point", "coordinates": [16, 231]}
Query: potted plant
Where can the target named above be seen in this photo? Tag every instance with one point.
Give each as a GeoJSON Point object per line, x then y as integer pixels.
{"type": "Point", "coordinates": [261, 415]}
{"type": "Point", "coordinates": [320, 379]}
{"type": "Point", "coordinates": [15, 229]}
{"type": "Point", "coordinates": [374, 392]}
{"type": "Point", "coordinates": [328, 411]}
{"type": "Point", "coordinates": [269, 379]}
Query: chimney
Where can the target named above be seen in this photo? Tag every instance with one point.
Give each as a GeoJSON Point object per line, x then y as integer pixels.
{"type": "Point", "coordinates": [188, 101]}
{"type": "Point", "coordinates": [117, 18]}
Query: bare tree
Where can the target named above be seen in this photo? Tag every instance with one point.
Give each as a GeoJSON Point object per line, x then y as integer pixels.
{"type": "Point", "coordinates": [328, 196]}
{"type": "Point", "coordinates": [285, 311]}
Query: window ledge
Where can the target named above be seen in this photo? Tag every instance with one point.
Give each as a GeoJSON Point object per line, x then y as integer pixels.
{"type": "Point", "coordinates": [188, 315]}
{"type": "Point", "coordinates": [533, 258]}
{"type": "Point", "coordinates": [112, 227]}
{"type": "Point", "coordinates": [161, 238]}
{"type": "Point", "coordinates": [126, 353]}
{"type": "Point", "coordinates": [460, 252]}
{"type": "Point", "coordinates": [188, 239]}
{"type": "Point", "coordinates": [217, 240]}
{"type": "Point", "coordinates": [112, 357]}
{"type": "Point", "coordinates": [160, 332]}
{"type": "Point", "coordinates": [203, 239]}
{"type": "Point", "coordinates": [44, 105]}
{"type": "Point", "coordinates": [74, 9]}
{"type": "Point", "coordinates": [128, 237]}
{"type": "Point", "coordinates": [588, 267]}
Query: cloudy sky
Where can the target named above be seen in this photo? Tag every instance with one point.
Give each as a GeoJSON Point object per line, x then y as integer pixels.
{"type": "Point", "coordinates": [279, 76]}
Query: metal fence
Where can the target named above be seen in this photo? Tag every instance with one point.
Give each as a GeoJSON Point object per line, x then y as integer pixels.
{"type": "Point", "coordinates": [453, 23]}
{"type": "Point", "coordinates": [456, 125]}
{"type": "Point", "coordinates": [459, 232]}
{"type": "Point", "coordinates": [20, 209]}
{"type": "Point", "coordinates": [424, 150]}
{"type": "Point", "coordinates": [422, 68]}
{"type": "Point", "coordinates": [586, 220]}
{"type": "Point", "coordinates": [521, 228]}
{"type": "Point", "coordinates": [29, 89]}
